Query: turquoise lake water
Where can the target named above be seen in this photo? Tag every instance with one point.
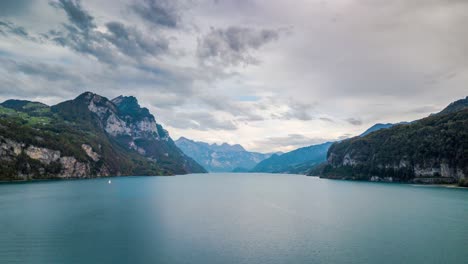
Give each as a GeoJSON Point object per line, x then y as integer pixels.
{"type": "Point", "coordinates": [231, 218]}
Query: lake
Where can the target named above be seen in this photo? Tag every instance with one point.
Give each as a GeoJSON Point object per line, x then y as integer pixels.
{"type": "Point", "coordinates": [231, 218]}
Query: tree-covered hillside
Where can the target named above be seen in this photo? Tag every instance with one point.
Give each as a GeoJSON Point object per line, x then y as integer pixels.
{"type": "Point", "coordinates": [430, 150]}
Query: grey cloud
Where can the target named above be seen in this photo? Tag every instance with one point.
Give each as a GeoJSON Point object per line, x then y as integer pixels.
{"type": "Point", "coordinates": [132, 42]}
{"type": "Point", "coordinates": [76, 14]}
{"type": "Point", "coordinates": [198, 120]}
{"type": "Point", "coordinates": [425, 109]}
{"type": "Point", "coordinates": [354, 121]}
{"type": "Point", "coordinates": [300, 111]}
{"type": "Point", "coordinates": [241, 112]}
{"type": "Point", "coordinates": [327, 119]}
{"type": "Point", "coordinates": [88, 43]}
{"type": "Point", "coordinates": [158, 12]}
{"type": "Point", "coordinates": [264, 109]}
{"type": "Point", "coordinates": [9, 27]}
{"type": "Point", "coordinates": [39, 69]}
{"type": "Point", "coordinates": [233, 45]}
{"type": "Point", "coordinates": [81, 35]}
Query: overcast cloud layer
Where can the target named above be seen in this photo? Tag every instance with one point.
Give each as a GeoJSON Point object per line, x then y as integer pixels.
{"type": "Point", "coordinates": [270, 75]}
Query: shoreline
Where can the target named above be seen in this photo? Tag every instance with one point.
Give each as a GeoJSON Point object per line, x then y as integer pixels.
{"type": "Point", "coordinates": [444, 185]}
{"type": "Point", "coordinates": [76, 179]}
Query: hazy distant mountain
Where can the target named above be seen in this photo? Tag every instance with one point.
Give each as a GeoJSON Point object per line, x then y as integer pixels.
{"type": "Point", "coordinates": [89, 136]}
{"type": "Point", "coordinates": [293, 161]}
{"type": "Point", "coordinates": [220, 158]}
{"type": "Point", "coordinates": [430, 150]}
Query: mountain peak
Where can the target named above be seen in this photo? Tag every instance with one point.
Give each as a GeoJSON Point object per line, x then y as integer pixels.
{"type": "Point", "coordinates": [129, 106]}
{"type": "Point", "coordinates": [455, 106]}
{"type": "Point", "coordinates": [184, 139]}
{"type": "Point", "coordinates": [227, 147]}
{"type": "Point", "coordinates": [121, 99]}
{"type": "Point", "coordinates": [86, 96]}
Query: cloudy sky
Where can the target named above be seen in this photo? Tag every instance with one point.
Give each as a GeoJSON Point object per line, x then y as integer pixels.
{"type": "Point", "coordinates": [271, 75]}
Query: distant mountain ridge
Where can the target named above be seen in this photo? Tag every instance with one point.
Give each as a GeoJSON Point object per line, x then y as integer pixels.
{"type": "Point", "coordinates": [220, 158]}
{"type": "Point", "coordinates": [89, 136]}
{"type": "Point", "coordinates": [294, 161]}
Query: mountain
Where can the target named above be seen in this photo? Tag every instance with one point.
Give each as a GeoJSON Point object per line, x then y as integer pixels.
{"type": "Point", "coordinates": [431, 150]}
{"type": "Point", "coordinates": [455, 106]}
{"type": "Point", "coordinates": [296, 161]}
{"type": "Point", "coordinates": [89, 136]}
{"type": "Point", "coordinates": [220, 158]}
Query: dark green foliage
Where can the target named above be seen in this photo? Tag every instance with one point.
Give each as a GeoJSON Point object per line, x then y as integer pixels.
{"type": "Point", "coordinates": [376, 127]}
{"type": "Point", "coordinates": [317, 169]}
{"type": "Point", "coordinates": [463, 183]}
{"type": "Point", "coordinates": [23, 165]}
{"type": "Point", "coordinates": [25, 106]}
{"type": "Point", "coordinates": [455, 106]}
{"type": "Point", "coordinates": [128, 106]}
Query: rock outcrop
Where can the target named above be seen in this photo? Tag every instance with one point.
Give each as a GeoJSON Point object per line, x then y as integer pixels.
{"type": "Point", "coordinates": [66, 167]}
{"type": "Point", "coordinates": [89, 151]}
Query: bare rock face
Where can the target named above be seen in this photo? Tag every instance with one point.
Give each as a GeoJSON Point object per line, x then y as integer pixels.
{"type": "Point", "coordinates": [123, 116]}
{"type": "Point", "coordinates": [89, 151]}
{"type": "Point", "coordinates": [44, 155]}
{"type": "Point", "coordinates": [9, 149]}
{"type": "Point", "coordinates": [441, 169]}
{"type": "Point", "coordinates": [349, 161]}
{"type": "Point", "coordinates": [116, 126]}
{"type": "Point", "coordinates": [72, 168]}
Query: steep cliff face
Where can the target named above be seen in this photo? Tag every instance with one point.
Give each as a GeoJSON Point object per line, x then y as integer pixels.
{"type": "Point", "coordinates": [89, 136]}
{"type": "Point", "coordinates": [38, 162]}
{"type": "Point", "coordinates": [430, 150]}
